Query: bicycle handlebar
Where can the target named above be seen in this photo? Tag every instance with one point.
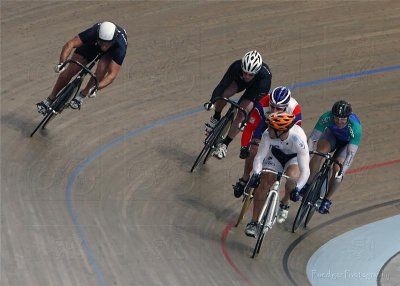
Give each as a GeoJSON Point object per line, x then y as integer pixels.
{"type": "Point", "coordinates": [329, 157]}
{"type": "Point", "coordinates": [85, 68]}
{"type": "Point", "coordinates": [276, 173]}
{"type": "Point", "coordinates": [236, 105]}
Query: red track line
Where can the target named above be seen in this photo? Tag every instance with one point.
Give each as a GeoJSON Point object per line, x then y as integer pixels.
{"type": "Point", "coordinates": [229, 226]}
{"type": "Point", "coordinates": [224, 236]}
{"type": "Point", "coordinates": [373, 166]}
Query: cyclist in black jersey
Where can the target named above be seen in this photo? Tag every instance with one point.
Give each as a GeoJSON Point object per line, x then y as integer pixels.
{"type": "Point", "coordinates": [104, 38]}
{"type": "Point", "coordinates": [249, 74]}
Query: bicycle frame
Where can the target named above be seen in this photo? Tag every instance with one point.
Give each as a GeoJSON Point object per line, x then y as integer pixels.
{"type": "Point", "coordinates": [219, 132]}
{"type": "Point", "coordinates": [68, 92]}
{"type": "Point", "coordinates": [320, 189]}
{"type": "Point", "coordinates": [269, 212]}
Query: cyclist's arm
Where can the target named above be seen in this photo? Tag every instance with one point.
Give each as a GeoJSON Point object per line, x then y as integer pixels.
{"type": "Point", "coordinates": [351, 151]}
{"type": "Point", "coordinates": [303, 159]}
{"type": "Point", "coordinates": [322, 123]}
{"type": "Point", "coordinates": [224, 83]}
{"type": "Point", "coordinates": [261, 153]}
{"type": "Point", "coordinates": [110, 75]}
{"type": "Point", "coordinates": [297, 113]}
{"type": "Point", "coordinates": [66, 51]}
{"type": "Point", "coordinates": [252, 124]}
{"type": "Point", "coordinates": [313, 139]}
{"type": "Point", "coordinates": [352, 147]}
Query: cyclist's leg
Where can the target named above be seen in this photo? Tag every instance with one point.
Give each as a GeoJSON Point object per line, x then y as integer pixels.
{"type": "Point", "coordinates": [260, 193]}
{"type": "Point", "coordinates": [325, 144]}
{"type": "Point", "coordinates": [219, 106]}
{"type": "Point", "coordinates": [292, 170]}
{"type": "Point", "coordinates": [340, 155]}
{"type": "Point", "coordinates": [231, 90]}
{"type": "Point", "coordinates": [65, 77]}
{"type": "Point", "coordinates": [267, 179]}
{"type": "Point", "coordinates": [234, 130]}
{"type": "Point", "coordinates": [240, 185]}
{"type": "Point", "coordinates": [248, 164]}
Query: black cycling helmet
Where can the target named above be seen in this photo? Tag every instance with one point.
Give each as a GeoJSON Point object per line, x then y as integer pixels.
{"type": "Point", "coordinates": [341, 109]}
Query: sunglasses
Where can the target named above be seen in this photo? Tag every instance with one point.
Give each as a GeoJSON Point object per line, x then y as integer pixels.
{"type": "Point", "coordinates": [248, 73]}
{"type": "Point", "coordinates": [278, 108]}
{"type": "Point", "coordinates": [340, 119]}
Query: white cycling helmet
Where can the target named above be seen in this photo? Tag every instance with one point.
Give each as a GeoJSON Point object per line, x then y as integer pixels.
{"type": "Point", "coordinates": [107, 32]}
{"type": "Point", "coordinates": [252, 62]}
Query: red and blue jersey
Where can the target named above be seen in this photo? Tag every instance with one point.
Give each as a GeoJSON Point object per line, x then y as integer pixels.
{"type": "Point", "coordinates": [256, 125]}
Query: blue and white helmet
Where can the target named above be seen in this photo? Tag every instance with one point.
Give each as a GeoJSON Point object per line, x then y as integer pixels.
{"type": "Point", "coordinates": [252, 62]}
{"type": "Point", "coordinates": [280, 96]}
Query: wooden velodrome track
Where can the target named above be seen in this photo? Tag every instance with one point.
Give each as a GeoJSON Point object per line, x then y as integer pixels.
{"type": "Point", "coordinates": [131, 213]}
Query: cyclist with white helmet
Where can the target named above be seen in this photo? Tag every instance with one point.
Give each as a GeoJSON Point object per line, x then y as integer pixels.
{"type": "Point", "coordinates": [279, 101]}
{"type": "Point", "coordinates": [105, 38]}
{"type": "Point", "coordinates": [338, 130]}
{"type": "Point", "coordinates": [283, 148]}
{"type": "Point", "coordinates": [249, 74]}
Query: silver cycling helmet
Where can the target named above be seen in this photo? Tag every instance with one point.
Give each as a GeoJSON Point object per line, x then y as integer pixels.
{"type": "Point", "coordinates": [252, 62]}
{"type": "Point", "coordinates": [107, 32]}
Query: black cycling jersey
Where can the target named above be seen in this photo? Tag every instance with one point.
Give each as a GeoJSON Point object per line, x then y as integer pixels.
{"type": "Point", "coordinates": [255, 89]}
{"type": "Point", "coordinates": [91, 49]}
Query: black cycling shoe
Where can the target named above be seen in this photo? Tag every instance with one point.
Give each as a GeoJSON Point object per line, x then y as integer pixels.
{"type": "Point", "coordinates": [43, 106]}
{"type": "Point", "coordinates": [238, 189]}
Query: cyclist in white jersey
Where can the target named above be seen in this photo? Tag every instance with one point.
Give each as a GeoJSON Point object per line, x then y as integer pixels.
{"type": "Point", "coordinates": [283, 147]}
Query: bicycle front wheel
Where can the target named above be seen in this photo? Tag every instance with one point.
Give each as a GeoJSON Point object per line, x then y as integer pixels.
{"type": "Point", "coordinates": [266, 221]}
{"type": "Point", "coordinates": [317, 195]}
{"type": "Point", "coordinates": [306, 203]}
{"type": "Point", "coordinates": [43, 123]}
{"type": "Point", "coordinates": [206, 149]}
{"type": "Point", "coordinates": [211, 142]}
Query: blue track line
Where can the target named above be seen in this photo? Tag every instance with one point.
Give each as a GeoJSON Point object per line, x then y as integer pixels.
{"type": "Point", "coordinates": [133, 133]}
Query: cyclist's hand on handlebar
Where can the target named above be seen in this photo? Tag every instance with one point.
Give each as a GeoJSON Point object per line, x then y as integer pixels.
{"type": "Point", "coordinates": [244, 152]}
{"type": "Point", "coordinates": [208, 106]}
{"type": "Point", "coordinates": [59, 68]}
{"type": "Point", "coordinates": [339, 177]}
{"type": "Point", "coordinates": [92, 92]}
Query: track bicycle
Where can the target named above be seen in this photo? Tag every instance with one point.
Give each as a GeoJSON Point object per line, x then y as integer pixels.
{"type": "Point", "coordinates": [316, 191]}
{"type": "Point", "coordinates": [215, 137]}
{"type": "Point", "coordinates": [68, 92]}
{"type": "Point", "coordinates": [269, 212]}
